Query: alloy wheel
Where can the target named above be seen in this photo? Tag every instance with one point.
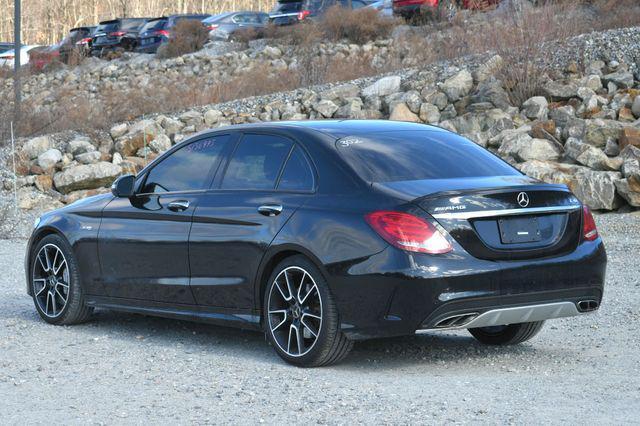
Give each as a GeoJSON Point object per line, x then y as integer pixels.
{"type": "Point", "coordinates": [50, 280]}
{"type": "Point", "coordinates": [295, 311]}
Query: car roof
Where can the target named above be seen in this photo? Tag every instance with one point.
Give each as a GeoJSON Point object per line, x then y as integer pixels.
{"type": "Point", "coordinates": [342, 128]}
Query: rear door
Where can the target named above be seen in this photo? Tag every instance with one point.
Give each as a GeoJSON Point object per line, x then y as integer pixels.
{"type": "Point", "coordinates": [266, 179]}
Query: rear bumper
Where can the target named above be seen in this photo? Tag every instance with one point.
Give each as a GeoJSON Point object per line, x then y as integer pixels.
{"type": "Point", "coordinates": [376, 299]}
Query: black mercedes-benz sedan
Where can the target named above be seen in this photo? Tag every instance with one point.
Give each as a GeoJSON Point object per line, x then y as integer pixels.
{"type": "Point", "coordinates": [322, 233]}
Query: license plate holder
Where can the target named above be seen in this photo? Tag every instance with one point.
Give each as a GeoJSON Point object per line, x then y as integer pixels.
{"type": "Point", "coordinates": [519, 230]}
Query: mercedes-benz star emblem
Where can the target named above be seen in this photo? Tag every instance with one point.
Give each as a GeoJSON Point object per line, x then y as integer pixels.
{"type": "Point", "coordinates": [523, 199]}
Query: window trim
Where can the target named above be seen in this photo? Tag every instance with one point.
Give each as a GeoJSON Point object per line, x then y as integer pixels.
{"type": "Point", "coordinates": [213, 170]}
{"type": "Point", "coordinates": [216, 186]}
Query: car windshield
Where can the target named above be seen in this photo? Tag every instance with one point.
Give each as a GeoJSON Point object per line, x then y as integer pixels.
{"type": "Point", "coordinates": [417, 155]}
{"type": "Point", "coordinates": [154, 25]}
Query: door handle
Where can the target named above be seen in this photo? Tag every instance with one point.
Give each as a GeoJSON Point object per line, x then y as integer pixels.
{"type": "Point", "coordinates": [179, 206]}
{"type": "Point", "coordinates": [270, 210]}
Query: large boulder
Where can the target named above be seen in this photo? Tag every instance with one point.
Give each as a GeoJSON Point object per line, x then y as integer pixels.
{"type": "Point", "coordinates": [86, 177]}
{"type": "Point", "coordinates": [561, 91]}
{"type": "Point", "coordinates": [599, 131]}
{"type": "Point", "coordinates": [629, 190]}
{"type": "Point", "coordinates": [458, 86]}
{"type": "Point", "coordinates": [491, 91]}
{"type": "Point", "coordinates": [596, 189]}
{"type": "Point", "coordinates": [48, 159]}
{"type": "Point", "coordinates": [137, 137]}
{"type": "Point", "coordinates": [429, 113]}
{"type": "Point", "coordinates": [629, 136]}
{"type": "Point", "coordinates": [588, 155]}
{"type": "Point", "coordinates": [536, 108]}
{"type": "Point", "coordinates": [341, 92]}
{"type": "Point", "coordinates": [523, 147]}
{"type": "Point", "coordinates": [401, 112]}
{"type": "Point", "coordinates": [621, 78]}
{"type": "Point", "coordinates": [326, 108]}
{"type": "Point", "coordinates": [80, 145]}
{"type": "Point", "coordinates": [36, 146]}
{"type": "Point", "coordinates": [383, 87]}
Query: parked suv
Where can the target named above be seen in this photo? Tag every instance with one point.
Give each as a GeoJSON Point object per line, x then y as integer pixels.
{"type": "Point", "coordinates": [289, 12]}
{"type": "Point", "coordinates": [75, 44]}
{"type": "Point", "coordinates": [116, 34]}
{"type": "Point", "coordinates": [157, 31]}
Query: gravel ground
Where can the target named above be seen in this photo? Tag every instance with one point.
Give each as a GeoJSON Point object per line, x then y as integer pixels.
{"type": "Point", "coordinates": [130, 369]}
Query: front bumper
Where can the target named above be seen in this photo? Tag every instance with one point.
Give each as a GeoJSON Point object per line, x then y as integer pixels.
{"type": "Point", "coordinates": [395, 293]}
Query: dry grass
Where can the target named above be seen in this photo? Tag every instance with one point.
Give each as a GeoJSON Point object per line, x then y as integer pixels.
{"type": "Point", "coordinates": [357, 26]}
{"type": "Point", "coordinates": [187, 36]}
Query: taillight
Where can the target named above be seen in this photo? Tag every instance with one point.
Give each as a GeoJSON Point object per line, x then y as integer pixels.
{"type": "Point", "coordinates": [589, 230]}
{"type": "Point", "coordinates": [303, 14]}
{"type": "Point", "coordinates": [84, 41]}
{"type": "Point", "coordinates": [212, 27]}
{"type": "Point", "coordinates": [408, 232]}
{"type": "Point", "coordinates": [162, 33]}
{"type": "Point", "coordinates": [9, 57]}
{"type": "Point", "coordinates": [117, 33]}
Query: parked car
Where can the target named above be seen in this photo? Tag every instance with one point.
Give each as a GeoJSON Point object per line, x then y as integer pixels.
{"type": "Point", "coordinates": [116, 34]}
{"type": "Point", "coordinates": [7, 59]}
{"type": "Point", "coordinates": [320, 233]}
{"type": "Point", "coordinates": [226, 26]}
{"type": "Point", "coordinates": [77, 42]}
{"type": "Point", "coordinates": [384, 7]}
{"type": "Point", "coordinates": [288, 12]}
{"type": "Point", "coordinates": [409, 9]}
{"type": "Point", "coordinates": [157, 31]}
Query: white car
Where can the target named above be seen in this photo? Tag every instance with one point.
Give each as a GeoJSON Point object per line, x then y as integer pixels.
{"type": "Point", "coordinates": [384, 7]}
{"type": "Point", "coordinates": [7, 59]}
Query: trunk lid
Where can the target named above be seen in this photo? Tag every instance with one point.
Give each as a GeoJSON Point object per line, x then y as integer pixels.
{"type": "Point", "coordinates": [499, 218]}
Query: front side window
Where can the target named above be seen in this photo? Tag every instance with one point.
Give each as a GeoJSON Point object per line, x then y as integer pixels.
{"type": "Point", "coordinates": [187, 169]}
{"type": "Point", "coordinates": [256, 162]}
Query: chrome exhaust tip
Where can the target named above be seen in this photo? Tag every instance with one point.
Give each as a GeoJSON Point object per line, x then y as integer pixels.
{"type": "Point", "coordinates": [456, 320]}
{"type": "Point", "coordinates": [587, 305]}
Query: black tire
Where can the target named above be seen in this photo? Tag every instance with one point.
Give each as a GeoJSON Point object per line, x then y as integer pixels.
{"type": "Point", "coordinates": [511, 334]}
{"type": "Point", "coordinates": [331, 345]}
{"type": "Point", "coordinates": [75, 310]}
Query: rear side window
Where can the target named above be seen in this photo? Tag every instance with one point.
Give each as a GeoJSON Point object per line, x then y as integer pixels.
{"type": "Point", "coordinates": [187, 169]}
{"type": "Point", "coordinates": [297, 174]}
{"type": "Point", "coordinates": [108, 27]}
{"type": "Point", "coordinates": [256, 162]}
{"type": "Point", "coordinates": [417, 155]}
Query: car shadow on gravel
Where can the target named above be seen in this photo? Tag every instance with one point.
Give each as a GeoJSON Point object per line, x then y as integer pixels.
{"type": "Point", "coordinates": [193, 337]}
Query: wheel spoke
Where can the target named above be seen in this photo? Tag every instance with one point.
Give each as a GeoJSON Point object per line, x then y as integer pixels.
{"type": "Point", "coordinates": [47, 304]}
{"type": "Point", "coordinates": [279, 311]}
{"type": "Point", "coordinates": [308, 293]}
{"type": "Point", "coordinates": [57, 270]}
{"type": "Point", "coordinates": [44, 285]}
{"type": "Point", "coordinates": [44, 268]}
{"type": "Point", "coordinates": [54, 304]}
{"type": "Point", "coordinates": [55, 258]}
{"type": "Point", "coordinates": [60, 295]}
{"type": "Point", "coordinates": [63, 285]}
{"type": "Point", "coordinates": [291, 327]}
{"type": "Point", "coordinates": [299, 340]}
{"type": "Point", "coordinates": [46, 256]}
{"type": "Point", "coordinates": [307, 314]}
{"type": "Point", "coordinates": [312, 331]}
{"type": "Point", "coordinates": [289, 287]}
{"type": "Point", "coordinates": [285, 297]}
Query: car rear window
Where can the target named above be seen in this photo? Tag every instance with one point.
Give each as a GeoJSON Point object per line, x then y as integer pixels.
{"type": "Point", "coordinates": [417, 155]}
{"type": "Point", "coordinates": [108, 27]}
{"type": "Point", "coordinates": [154, 25]}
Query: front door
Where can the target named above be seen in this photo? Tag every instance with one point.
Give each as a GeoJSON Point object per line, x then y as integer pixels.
{"type": "Point", "coordinates": [267, 178]}
{"type": "Point", "coordinates": [143, 240]}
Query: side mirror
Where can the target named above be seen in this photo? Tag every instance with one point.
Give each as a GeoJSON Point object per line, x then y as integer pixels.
{"type": "Point", "coordinates": [123, 187]}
